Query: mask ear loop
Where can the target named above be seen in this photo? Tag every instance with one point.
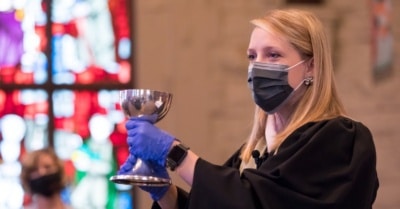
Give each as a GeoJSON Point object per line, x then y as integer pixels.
{"type": "Point", "coordinates": [299, 85]}
{"type": "Point", "coordinates": [306, 81]}
{"type": "Point", "coordinates": [291, 67]}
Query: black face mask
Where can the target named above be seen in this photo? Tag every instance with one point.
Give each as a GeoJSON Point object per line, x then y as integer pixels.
{"type": "Point", "coordinates": [269, 84]}
{"type": "Point", "coordinates": [46, 185]}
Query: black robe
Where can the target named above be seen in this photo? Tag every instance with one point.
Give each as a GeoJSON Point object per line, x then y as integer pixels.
{"type": "Point", "coordinates": [323, 165]}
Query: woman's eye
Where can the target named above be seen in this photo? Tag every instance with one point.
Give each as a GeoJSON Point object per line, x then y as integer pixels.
{"type": "Point", "coordinates": [251, 56]}
{"type": "Point", "coordinates": [274, 55]}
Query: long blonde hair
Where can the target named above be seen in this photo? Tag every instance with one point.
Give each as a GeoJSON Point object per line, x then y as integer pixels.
{"type": "Point", "coordinates": [320, 101]}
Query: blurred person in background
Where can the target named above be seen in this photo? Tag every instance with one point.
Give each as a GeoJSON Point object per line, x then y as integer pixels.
{"type": "Point", "coordinates": [43, 178]}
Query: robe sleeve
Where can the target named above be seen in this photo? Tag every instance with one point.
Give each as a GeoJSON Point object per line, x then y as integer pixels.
{"type": "Point", "coordinates": [324, 165]}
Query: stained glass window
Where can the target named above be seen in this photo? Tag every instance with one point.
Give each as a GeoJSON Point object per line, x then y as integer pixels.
{"type": "Point", "coordinates": [23, 42]}
{"type": "Point", "coordinates": [62, 63]}
{"type": "Point", "coordinates": [88, 45]}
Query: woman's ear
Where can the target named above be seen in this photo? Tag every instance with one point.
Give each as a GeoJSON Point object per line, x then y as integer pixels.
{"type": "Point", "coordinates": [310, 68]}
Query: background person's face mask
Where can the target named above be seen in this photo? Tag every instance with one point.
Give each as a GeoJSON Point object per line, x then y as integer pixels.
{"type": "Point", "coordinates": [269, 84]}
{"type": "Point", "coordinates": [46, 185]}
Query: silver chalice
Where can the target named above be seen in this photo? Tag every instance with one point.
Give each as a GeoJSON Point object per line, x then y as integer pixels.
{"type": "Point", "coordinates": [143, 103]}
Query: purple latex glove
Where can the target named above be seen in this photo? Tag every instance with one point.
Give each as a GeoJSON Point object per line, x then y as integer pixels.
{"type": "Point", "coordinates": [148, 142]}
{"type": "Point", "coordinates": [156, 192]}
{"type": "Point", "coordinates": [128, 165]}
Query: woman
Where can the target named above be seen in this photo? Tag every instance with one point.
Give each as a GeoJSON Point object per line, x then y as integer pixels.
{"type": "Point", "coordinates": [313, 155]}
{"type": "Point", "coordinates": [43, 177]}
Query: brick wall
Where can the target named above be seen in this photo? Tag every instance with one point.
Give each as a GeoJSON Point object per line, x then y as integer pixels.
{"type": "Point", "coordinates": [197, 50]}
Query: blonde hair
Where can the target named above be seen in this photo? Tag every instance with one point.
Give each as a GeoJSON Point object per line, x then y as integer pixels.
{"type": "Point", "coordinates": [30, 164]}
{"type": "Point", "coordinates": [320, 101]}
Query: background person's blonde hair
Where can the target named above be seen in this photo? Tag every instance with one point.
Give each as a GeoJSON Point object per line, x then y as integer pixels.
{"type": "Point", "coordinates": [320, 101]}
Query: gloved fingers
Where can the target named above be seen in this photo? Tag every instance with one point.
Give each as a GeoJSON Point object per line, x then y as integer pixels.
{"type": "Point", "coordinates": [133, 123]}
{"type": "Point", "coordinates": [130, 141]}
{"type": "Point", "coordinates": [144, 118]}
{"type": "Point", "coordinates": [149, 118]}
{"type": "Point", "coordinates": [128, 164]}
{"type": "Point", "coordinates": [133, 126]}
{"type": "Point", "coordinates": [157, 163]}
{"type": "Point", "coordinates": [139, 128]}
{"type": "Point", "coordinates": [136, 130]}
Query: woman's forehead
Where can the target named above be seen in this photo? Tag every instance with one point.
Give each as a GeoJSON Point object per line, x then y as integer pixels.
{"type": "Point", "coordinates": [264, 37]}
{"type": "Point", "coordinates": [45, 159]}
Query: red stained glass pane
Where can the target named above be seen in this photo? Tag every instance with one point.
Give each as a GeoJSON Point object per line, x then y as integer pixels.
{"type": "Point", "coordinates": [31, 106]}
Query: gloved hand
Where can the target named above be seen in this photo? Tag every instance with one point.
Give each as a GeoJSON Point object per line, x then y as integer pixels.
{"type": "Point", "coordinates": [156, 192]}
{"type": "Point", "coordinates": [148, 142]}
{"type": "Point", "coordinates": [128, 165]}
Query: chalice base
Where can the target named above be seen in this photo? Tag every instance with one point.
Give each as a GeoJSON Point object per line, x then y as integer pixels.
{"type": "Point", "coordinates": [140, 180]}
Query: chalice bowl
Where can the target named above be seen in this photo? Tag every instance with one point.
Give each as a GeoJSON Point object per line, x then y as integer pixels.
{"type": "Point", "coordinates": [143, 103]}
